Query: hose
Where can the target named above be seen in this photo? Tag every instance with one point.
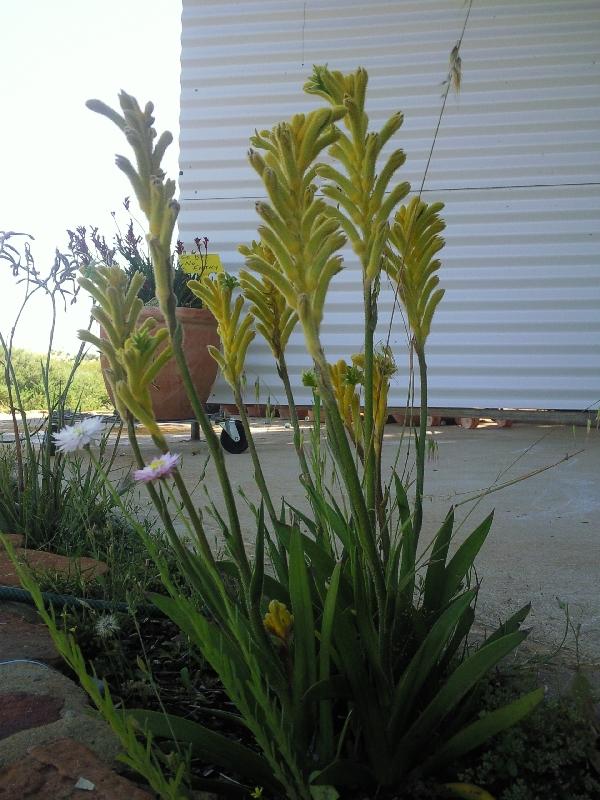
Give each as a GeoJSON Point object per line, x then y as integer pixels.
{"type": "Point", "coordinates": [18, 595]}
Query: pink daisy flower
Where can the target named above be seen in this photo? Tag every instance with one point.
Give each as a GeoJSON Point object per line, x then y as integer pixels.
{"type": "Point", "coordinates": [160, 467]}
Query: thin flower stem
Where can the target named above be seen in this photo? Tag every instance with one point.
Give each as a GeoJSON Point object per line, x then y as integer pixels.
{"type": "Point", "coordinates": [420, 453]}
{"type": "Point", "coordinates": [188, 525]}
{"type": "Point", "coordinates": [154, 495]}
{"type": "Point", "coordinates": [492, 489]}
{"type": "Point", "coordinates": [187, 563]}
{"type": "Point", "coordinates": [258, 473]}
{"type": "Point", "coordinates": [369, 450]}
{"type": "Point", "coordinates": [194, 517]}
{"type": "Point", "coordinates": [341, 449]}
{"type": "Point", "coordinates": [298, 443]}
{"type": "Point", "coordinates": [215, 450]}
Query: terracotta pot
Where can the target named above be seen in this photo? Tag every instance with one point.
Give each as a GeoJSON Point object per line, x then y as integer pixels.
{"type": "Point", "coordinates": [283, 412]}
{"type": "Point", "coordinates": [310, 415]}
{"type": "Point", "coordinates": [468, 423]}
{"type": "Point", "coordinates": [169, 399]}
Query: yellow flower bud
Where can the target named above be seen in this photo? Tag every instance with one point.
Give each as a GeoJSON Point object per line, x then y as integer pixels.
{"type": "Point", "coordinates": [278, 620]}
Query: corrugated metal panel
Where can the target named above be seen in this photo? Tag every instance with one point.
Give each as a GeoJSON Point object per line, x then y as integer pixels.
{"type": "Point", "coordinates": [516, 160]}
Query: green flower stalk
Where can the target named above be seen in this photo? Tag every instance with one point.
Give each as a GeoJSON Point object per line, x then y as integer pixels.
{"type": "Point", "coordinates": [296, 228]}
{"type": "Point", "coordinates": [384, 367]}
{"type": "Point", "coordinates": [154, 194]}
{"type": "Point", "coordinates": [116, 308]}
{"type": "Point", "coordinates": [412, 266]}
{"type": "Point", "coordinates": [345, 379]}
{"type": "Point", "coordinates": [142, 360]}
{"type": "Point", "coordinates": [131, 357]}
{"type": "Point", "coordinates": [364, 197]}
{"type": "Point", "coordinates": [304, 238]}
{"type": "Point", "coordinates": [363, 194]}
{"type": "Point", "coordinates": [275, 321]}
{"type": "Point", "coordinates": [236, 332]}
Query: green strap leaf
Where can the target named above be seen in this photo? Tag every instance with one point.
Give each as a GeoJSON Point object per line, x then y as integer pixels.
{"type": "Point", "coordinates": [456, 687]}
{"type": "Point", "coordinates": [510, 625]}
{"type": "Point", "coordinates": [212, 746]}
{"type": "Point", "coordinates": [320, 560]}
{"type": "Point", "coordinates": [368, 707]}
{"type": "Point", "coordinates": [406, 694]}
{"type": "Point", "coordinates": [325, 659]}
{"type": "Point", "coordinates": [483, 729]}
{"type": "Point", "coordinates": [462, 561]}
{"type": "Point", "coordinates": [305, 667]}
{"type": "Point", "coordinates": [336, 521]}
{"type": "Point", "coordinates": [433, 592]}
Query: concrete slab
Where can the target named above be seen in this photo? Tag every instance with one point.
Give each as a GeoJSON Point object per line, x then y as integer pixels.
{"type": "Point", "coordinates": [545, 541]}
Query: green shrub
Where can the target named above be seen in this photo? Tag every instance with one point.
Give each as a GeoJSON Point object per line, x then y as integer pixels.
{"type": "Point", "coordinates": [86, 391]}
{"type": "Point", "coordinates": [554, 753]}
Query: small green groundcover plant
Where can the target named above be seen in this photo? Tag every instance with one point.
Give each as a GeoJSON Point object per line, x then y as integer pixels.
{"type": "Point", "coordinates": [552, 753]}
{"type": "Point", "coordinates": [341, 645]}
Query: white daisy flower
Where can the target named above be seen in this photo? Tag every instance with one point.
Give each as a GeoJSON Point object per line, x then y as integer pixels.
{"type": "Point", "coordinates": [74, 437]}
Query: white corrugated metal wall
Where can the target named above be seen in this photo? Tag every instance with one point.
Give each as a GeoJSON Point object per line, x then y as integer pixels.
{"type": "Point", "coordinates": [516, 160]}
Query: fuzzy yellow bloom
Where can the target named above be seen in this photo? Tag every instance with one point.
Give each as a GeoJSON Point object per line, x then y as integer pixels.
{"type": "Point", "coordinates": [278, 620]}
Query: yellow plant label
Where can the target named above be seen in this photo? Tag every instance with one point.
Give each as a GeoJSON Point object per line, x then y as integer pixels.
{"type": "Point", "coordinates": [195, 263]}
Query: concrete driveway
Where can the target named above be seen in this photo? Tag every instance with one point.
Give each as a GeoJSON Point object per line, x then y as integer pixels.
{"type": "Point", "coordinates": [544, 546]}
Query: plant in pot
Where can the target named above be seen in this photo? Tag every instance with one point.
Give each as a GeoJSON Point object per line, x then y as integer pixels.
{"type": "Point", "coordinates": [169, 399]}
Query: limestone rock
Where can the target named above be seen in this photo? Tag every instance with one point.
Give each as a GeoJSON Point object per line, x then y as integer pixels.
{"type": "Point", "coordinates": [41, 561]}
{"type": "Point", "coordinates": [62, 770]}
{"type": "Point", "coordinates": [21, 639]}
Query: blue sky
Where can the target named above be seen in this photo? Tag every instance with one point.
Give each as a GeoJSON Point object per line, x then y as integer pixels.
{"type": "Point", "coordinates": [57, 157]}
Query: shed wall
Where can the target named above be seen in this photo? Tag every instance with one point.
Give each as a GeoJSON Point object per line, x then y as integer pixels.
{"type": "Point", "coordinates": [516, 161]}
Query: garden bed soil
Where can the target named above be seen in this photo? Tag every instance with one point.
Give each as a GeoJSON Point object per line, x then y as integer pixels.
{"type": "Point", "coordinates": [167, 677]}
